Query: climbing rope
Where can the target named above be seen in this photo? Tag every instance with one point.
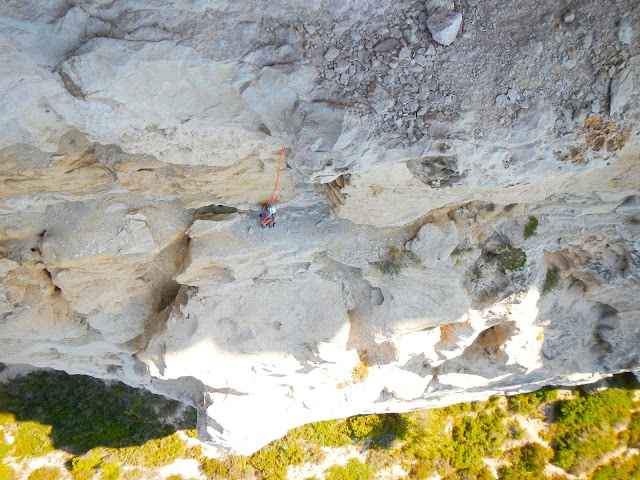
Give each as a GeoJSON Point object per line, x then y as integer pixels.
{"type": "Point", "coordinates": [273, 198]}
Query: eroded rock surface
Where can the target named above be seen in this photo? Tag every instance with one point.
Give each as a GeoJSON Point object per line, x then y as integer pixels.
{"type": "Point", "coordinates": [139, 139]}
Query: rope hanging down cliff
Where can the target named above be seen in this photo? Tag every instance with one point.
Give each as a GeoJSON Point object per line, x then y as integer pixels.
{"type": "Point", "coordinates": [268, 213]}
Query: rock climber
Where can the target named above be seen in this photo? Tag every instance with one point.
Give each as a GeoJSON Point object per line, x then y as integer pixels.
{"type": "Point", "coordinates": [268, 215]}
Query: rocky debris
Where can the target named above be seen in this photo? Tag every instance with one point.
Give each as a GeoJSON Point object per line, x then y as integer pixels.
{"type": "Point", "coordinates": [331, 54]}
{"type": "Point", "coordinates": [444, 25]}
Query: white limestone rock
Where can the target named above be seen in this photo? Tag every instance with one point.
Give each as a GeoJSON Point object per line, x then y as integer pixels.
{"type": "Point", "coordinates": [129, 136]}
{"type": "Point", "coordinates": [434, 243]}
{"type": "Point", "coordinates": [621, 90]}
{"type": "Point", "coordinates": [444, 25]}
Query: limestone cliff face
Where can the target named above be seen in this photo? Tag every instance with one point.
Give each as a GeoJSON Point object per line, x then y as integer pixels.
{"type": "Point", "coordinates": [139, 139]}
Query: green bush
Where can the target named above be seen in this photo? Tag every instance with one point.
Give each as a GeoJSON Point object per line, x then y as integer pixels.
{"type": "Point", "coordinates": [515, 431]}
{"type": "Point", "coordinates": [135, 474]}
{"type": "Point", "coordinates": [109, 471]}
{"type": "Point", "coordinates": [6, 472]}
{"type": "Point", "coordinates": [475, 438]}
{"type": "Point", "coordinates": [32, 440]}
{"type": "Point", "coordinates": [214, 468]}
{"type": "Point", "coordinates": [551, 280]}
{"type": "Point", "coordinates": [583, 429]}
{"type": "Point", "coordinates": [83, 412]}
{"type": "Point", "coordinates": [353, 470]}
{"type": "Point", "coordinates": [530, 228]}
{"type": "Point", "coordinates": [271, 462]}
{"type": "Point", "coordinates": [329, 433]}
{"type": "Point", "coordinates": [360, 372]}
{"type": "Point", "coordinates": [513, 259]}
{"type": "Point", "coordinates": [634, 431]}
{"type": "Point", "coordinates": [362, 427]}
{"type": "Point", "coordinates": [393, 263]}
{"type": "Point", "coordinates": [44, 473]}
{"type": "Point", "coordinates": [530, 403]}
{"type": "Point", "coordinates": [84, 467]}
{"type": "Point", "coordinates": [153, 453]}
{"type": "Point", "coordinates": [620, 469]}
{"type": "Point", "coordinates": [453, 441]}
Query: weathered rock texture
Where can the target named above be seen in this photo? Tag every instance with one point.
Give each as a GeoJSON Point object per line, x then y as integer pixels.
{"type": "Point", "coordinates": [139, 138]}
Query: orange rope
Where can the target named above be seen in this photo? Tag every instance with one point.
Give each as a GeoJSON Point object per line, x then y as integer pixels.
{"type": "Point", "coordinates": [273, 198]}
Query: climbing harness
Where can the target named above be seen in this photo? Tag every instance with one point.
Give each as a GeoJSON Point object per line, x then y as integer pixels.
{"type": "Point", "coordinates": [268, 213]}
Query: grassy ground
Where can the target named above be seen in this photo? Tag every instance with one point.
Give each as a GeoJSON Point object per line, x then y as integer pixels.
{"type": "Point", "coordinates": [112, 432]}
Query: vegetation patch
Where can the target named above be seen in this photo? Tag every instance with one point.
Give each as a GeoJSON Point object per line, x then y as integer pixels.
{"type": "Point", "coordinates": [452, 442]}
{"type": "Point", "coordinates": [551, 280]}
{"type": "Point", "coordinates": [6, 472]}
{"type": "Point", "coordinates": [330, 433]}
{"type": "Point", "coordinates": [353, 470]}
{"type": "Point", "coordinates": [527, 462]}
{"type": "Point", "coordinates": [530, 228]}
{"type": "Point", "coordinates": [393, 263]}
{"type": "Point", "coordinates": [531, 403]}
{"type": "Point", "coordinates": [513, 259]}
{"type": "Point", "coordinates": [153, 453]}
{"type": "Point", "coordinates": [109, 471]}
{"type": "Point", "coordinates": [44, 473]}
{"type": "Point", "coordinates": [627, 468]}
{"type": "Point", "coordinates": [82, 412]}
{"type": "Point", "coordinates": [584, 427]}
{"type": "Point", "coordinates": [360, 371]}
{"type": "Point", "coordinates": [634, 431]}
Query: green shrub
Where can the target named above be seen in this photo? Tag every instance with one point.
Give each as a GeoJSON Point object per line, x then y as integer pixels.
{"type": "Point", "coordinates": [44, 473]}
{"type": "Point", "coordinates": [271, 461]}
{"type": "Point", "coordinates": [475, 438]}
{"type": "Point", "coordinates": [84, 412]}
{"type": "Point", "coordinates": [329, 433]}
{"type": "Point", "coordinates": [84, 467]}
{"type": "Point", "coordinates": [515, 431]}
{"type": "Point", "coordinates": [362, 427]}
{"type": "Point", "coordinates": [583, 429]}
{"type": "Point", "coordinates": [353, 470]}
{"type": "Point", "coordinates": [109, 471]}
{"type": "Point", "coordinates": [533, 457]}
{"type": "Point", "coordinates": [6, 472]}
{"type": "Point", "coordinates": [366, 426]}
{"type": "Point", "coordinates": [634, 431]}
{"type": "Point", "coordinates": [32, 440]}
{"type": "Point", "coordinates": [452, 441]}
{"type": "Point", "coordinates": [393, 263]}
{"type": "Point", "coordinates": [135, 474]}
{"type": "Point", "coordinates": [530, 403]}
{"type": "Point", "coordinates": [620, 469]}
{"type": "Point", "coordinates": [513, 259]}
{"type": "Point", "coordinates": [214, 468]}
{"type": "Point", "coordinates": [360, 372]}
{"type": "Point", "coordinates": [154, 453]}
{"type": "Point", "coordinates": [240, 469]}
{"type": "Point", "coordinates": [551, 280]}
{"type": "Point", "coordinates": [530, 228]}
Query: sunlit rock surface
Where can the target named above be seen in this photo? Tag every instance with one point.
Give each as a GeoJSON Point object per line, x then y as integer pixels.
{"type": "Point", "coordinates": [139, 139]}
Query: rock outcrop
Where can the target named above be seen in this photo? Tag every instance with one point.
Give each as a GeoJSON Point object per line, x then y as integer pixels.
{"type": "Point", "coordinates": [139, 139]}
